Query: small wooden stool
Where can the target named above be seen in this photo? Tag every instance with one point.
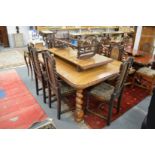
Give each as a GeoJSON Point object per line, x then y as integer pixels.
{"type": "Point", "coordinates": [146, 78]}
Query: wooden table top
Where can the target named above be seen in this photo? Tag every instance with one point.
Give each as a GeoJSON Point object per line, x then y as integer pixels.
{"type": "Point", "coordinates": [115, 41]}
{"type": "Point", "coordinates": [85, 33]}
{"type": "Point", "coordinates": [87, 78]}
{"type": "Point", "coordinates": [36, 41]}
{"type": "Point", "coordinates": [96, 33]}
{"type": "Point", "coordinates": [114, 32]}
{"type": "Point", "coordinates": [70, 55]}
{"type": "Point", "coordinates": [46, 32]}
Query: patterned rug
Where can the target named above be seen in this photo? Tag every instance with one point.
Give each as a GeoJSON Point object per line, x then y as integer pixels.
{"type": "Point", "coordinates": [131, 97]}
{"type": "Point", "coordinates": [18, 108]}
{"type": "Point", "coordinates": [11, 58]}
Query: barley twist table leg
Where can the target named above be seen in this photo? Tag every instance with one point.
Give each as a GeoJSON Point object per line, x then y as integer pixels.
{"type": "Point", "coordinates": [79, 106]}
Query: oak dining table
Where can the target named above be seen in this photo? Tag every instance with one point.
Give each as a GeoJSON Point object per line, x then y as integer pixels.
{"type": "Point", "coordinates": [69, 54]}
{"type": "Point", "coordinates": [81, 80]}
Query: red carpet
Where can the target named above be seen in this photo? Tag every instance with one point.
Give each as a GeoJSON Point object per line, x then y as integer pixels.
{"type": "Point", "coordinates": [131, 97]}
{"type": "Point", "coordinates": [18, 108]}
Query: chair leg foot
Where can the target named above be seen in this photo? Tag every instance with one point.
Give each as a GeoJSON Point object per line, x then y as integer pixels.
{"type": "Point", "coordinates": [110, 110]}
{"type": "Point", "coordinates": [49, 97]}
{"type": "Point", "coordinates": [37, 88]}
{"type": "Point", "coordinates": [25, 58]}
{"type": "Point", "coordinates": [31, 69]}
{"type": "Point", "coordinates": [58, 109]}
{"type": "Point", "coordinates": [44, 92]}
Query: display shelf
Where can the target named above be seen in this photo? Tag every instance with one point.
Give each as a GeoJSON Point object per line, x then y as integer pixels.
{"type": "Point", "coordinates": [39, 28]}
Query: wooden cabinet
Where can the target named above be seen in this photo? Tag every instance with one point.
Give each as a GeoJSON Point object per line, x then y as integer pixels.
{"type": "Point", "coordinates": [147, 39]}
{"type": "Point", "coordinates": [4, 36]}
{"type": "Point", "coordinates": [18, 40]}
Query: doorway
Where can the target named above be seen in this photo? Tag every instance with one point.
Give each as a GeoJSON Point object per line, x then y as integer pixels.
{"type": "Point", "coordinates": [4, 42]}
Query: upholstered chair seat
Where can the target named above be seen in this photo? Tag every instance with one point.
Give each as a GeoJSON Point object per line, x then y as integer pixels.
{"type": "Point", "coordinates": [65, 88]}
{"type": "Point", "coordinates": [145, 77]}
{"type": "Point", "coordinates": [147, 72]}
{"type": "Point", "coordinates": [103, 91]}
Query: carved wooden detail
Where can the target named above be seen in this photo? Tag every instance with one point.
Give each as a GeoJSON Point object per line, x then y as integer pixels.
{"type": "Point", "coordinates": [79, 106]}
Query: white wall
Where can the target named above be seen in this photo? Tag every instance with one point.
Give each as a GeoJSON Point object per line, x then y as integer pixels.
{"type": "Point", "coordinates": [22, 29]}
{"type": "Point", "coordinates": [137, 39]}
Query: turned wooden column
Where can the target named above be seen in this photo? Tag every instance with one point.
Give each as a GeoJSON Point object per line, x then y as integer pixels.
{"type": "Point", "coordinates": [79, 113]}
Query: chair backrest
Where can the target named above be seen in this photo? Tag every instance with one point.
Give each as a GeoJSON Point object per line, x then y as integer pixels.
{"type": "Point", "coordinates": [105, 40]}
{"type": "Point", "coordinates": [29, 47]}
{"type": "Point", "coordinates": [104, 46]}
{"type": "Point", "coordinates": [117, 52]}
{"type": "Point", "coordinates": [90, 38]}
{"type": "Point", "coordinates": [124, 70]}
{"type": "Point", "coordinates": [59, 44]}
{"type": "Point", "coordinates": [87, 48]}
{"type": "Point", "coordinates": [50, 63]}
{"type": "Point", "coordinates": [35, 61]}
